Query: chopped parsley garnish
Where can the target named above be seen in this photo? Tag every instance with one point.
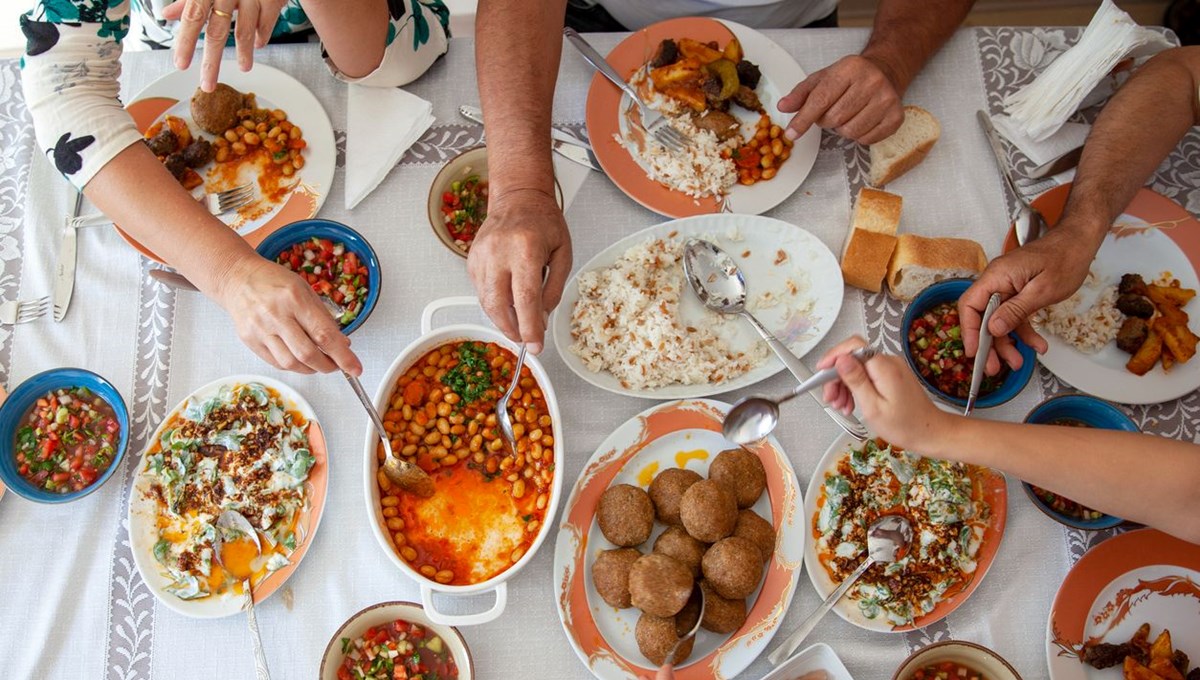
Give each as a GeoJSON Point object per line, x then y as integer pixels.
{"type": "Point", "coordinates": [472, 377]}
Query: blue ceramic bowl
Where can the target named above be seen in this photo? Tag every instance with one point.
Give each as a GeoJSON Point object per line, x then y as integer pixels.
{"type": "Point", "coordinates": [949, 291]}
{"type": "Point", "coordinates": [23, 398]}
{"type": "Point", "coordinates": [1093, 412]}
{"type": "Point", "coordinates": [337, 232]}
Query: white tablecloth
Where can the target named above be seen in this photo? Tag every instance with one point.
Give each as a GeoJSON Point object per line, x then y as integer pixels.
{"type": "Point", "coordinates": [73, 605]}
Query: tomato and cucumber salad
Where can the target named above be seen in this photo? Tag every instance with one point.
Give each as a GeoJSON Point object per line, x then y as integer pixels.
{"type": "Point", "coordinates": [400, 650]}
{"type": "Point", "coordinates": [66, 440]}
{"type": "Point", "coordinates": [333, 271]}
{"type": "Point", "coordinates": [947, 670]}
{"type": "Point", "coordinates": [935, 343]}
{"type": "Point", "coordinates": [464, 208]}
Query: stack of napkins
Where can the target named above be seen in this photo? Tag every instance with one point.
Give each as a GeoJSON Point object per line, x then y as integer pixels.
{"type": "Point", "coordinates": [1040, 108]}
{"type": "Point", "coordinates": [383, 122]}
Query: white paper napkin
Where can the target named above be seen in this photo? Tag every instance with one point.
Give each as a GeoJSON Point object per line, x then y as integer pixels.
{"type": "Point", "coordinates": [1039, 109]}
{"type": "Point", "coordinates": [383, 122]}
{"type": "Point", "coordinates": [570, 176]}
{"type": "Point", "coordinates": [1067, 137]}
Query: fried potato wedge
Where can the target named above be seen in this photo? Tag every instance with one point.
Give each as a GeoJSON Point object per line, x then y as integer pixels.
{"type": "Point", "coordinates": [1172, 326]}
{"type": "Point", "coordinates": [684, 71]}
{"type": "Point", "coordinates": [733, 51]}
{"type": "Point", "coordinates": [1147, 355]}
{"type": "Point", "coordinates": [699, 51]}
{"type": "Point", "coordinates": [1174, 295]}
{"type": "Point", "coordinates": [691, 97]}
{"type": "Point", "coordinates": [1136, 671]}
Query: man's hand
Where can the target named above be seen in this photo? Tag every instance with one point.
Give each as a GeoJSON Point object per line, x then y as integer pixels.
{"type": "Point", "coordinates": [255, 21]}
{"type": "Point", "coordinates": [282, 320]}
{"type": "Point", "coordinates": [1029, 278]}
{"type": "Point", "coordinates": [523, 235]}
{"type": "Point", "coordinates": [854, 97]}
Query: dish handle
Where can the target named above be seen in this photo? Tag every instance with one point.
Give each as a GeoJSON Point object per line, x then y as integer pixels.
{"type": "Point", "coordinates": [501, 591]}
{"type": "Point", "coordinates": [444, 303]}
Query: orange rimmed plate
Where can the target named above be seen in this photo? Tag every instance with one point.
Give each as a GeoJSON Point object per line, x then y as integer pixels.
{"type": "Point", "coordinates": [1153, 235]}
{"type": "Point", "coordinates": [606, 102]}
{"type": "Point", "coordinates": [675, 434]}
{"type": "Point", "coordinates": [1143, 576]}
{"type": "Point", "coordinates": [143, 511]}
{"type": "Point", "coordinates": [172, 93]}
{"type": "Point", "coordinates": [990, 485]}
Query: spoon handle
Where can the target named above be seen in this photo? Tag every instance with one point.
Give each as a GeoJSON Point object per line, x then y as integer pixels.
{"type": "Point", "coordinates": [985, 346]}
{"type": "Point", "coordinates": [260, 657]}
{"type": "Point", "coordinates": [828, 375]}
{"type": "Point", "coordinates": [785, 649]}
{"type": "Point", "coordinates": [366, 402]}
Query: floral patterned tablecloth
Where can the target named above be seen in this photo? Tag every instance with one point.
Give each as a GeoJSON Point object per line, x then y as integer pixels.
{"type": "Point", "coordinates": [73, 603]}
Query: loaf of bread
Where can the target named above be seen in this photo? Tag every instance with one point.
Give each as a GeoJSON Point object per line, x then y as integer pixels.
{"type": "Point", "coordinates": [918, 261]}
{"type": "Point", "coordinates": [905, 148]}
{"type": "Point", "coordinates": [871, 240]}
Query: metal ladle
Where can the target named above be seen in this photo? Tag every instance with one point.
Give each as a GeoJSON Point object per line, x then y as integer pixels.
{"type": "Point", "coordinates": [887, 538]}
{"type": "Point", "coordinates": [719, 284]}
{"type": "Point", "coordinates": [402, 473]}
{"type": "Point", "coordinates": [236, 521]}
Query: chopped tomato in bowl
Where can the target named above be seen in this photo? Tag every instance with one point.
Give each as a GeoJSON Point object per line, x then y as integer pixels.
{"type": "Point", "coordinates": [393, 640]}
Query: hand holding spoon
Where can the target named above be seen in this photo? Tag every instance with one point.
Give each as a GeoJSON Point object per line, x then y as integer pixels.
{"type": "Point", "coordinates": [402, 473]}
{"type": "Point", "coordinates": [981, 355]}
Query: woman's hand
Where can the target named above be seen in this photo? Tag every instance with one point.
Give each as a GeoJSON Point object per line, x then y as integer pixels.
{"type": "Point", "coordinates": [255, 21]}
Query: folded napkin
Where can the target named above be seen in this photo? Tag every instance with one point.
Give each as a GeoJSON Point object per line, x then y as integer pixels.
{"type": "Point", "coordinates": [1062, 140]}
{"type": "Point", "coordinates": [383, 122]}
{"type": "Point", "coordinates": [570, 176]}
{"type": "Point", "coordinates": [1039, 109]}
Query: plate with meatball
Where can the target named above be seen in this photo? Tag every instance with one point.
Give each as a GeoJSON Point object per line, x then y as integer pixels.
{"type": "Point", "coordinates": [260, 129]}
{"type": "Point", "coordinates": [665, 509]}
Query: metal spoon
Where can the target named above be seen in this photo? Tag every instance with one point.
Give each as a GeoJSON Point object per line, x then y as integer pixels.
{"type": "Point", "coordinates": [753, 418]}
{"type": "Point", "coordinates": [720, 286]}
{"type": "Point", "coordinates": [985, 346]}
{"type": "Point", "coordinates": [887, 539]}
{"type": "Point", "coordinates": [667, 669]}
{"type": "Point", "coordinates": [235, 521]}
{"type": "Point", "coordinates": [502, 416]}
{"type": "Point", "coordinates": [402, 473]}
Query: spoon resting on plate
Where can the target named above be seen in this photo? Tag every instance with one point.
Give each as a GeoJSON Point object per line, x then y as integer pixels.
{"type": "Point", "coordinates": [237, 524]}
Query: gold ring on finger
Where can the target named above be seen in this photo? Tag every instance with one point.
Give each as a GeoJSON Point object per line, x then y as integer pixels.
{"type": "Point", "coordinates": [222, 13]}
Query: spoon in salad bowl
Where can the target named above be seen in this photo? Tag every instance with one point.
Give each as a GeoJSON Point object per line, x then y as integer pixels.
{"type": "Point", "coordinates": [888, 539]}
{"type": "Point", "coordinates": [245, 538]}
{"type": "Point", "coordinates": [404, 474]}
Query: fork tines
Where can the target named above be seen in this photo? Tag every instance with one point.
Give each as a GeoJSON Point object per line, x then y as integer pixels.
{"type": "Point", "coordinates": [669, 137]}
{"type": "Point", "coordinates": [30, 310]}
{"type": "Point", "coordinates": [235, 198]}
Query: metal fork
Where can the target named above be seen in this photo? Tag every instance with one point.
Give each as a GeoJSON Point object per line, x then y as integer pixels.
{"type": "Point", "coordinates": [219, 203]}
{"type": "Point", "coordinates": [23, 311]}
{"type": "Point", "coordinates": [655, 123]}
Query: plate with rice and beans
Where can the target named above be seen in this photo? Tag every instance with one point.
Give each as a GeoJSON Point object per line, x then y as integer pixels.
{"type": "Point", "coordinates": [718, 82]}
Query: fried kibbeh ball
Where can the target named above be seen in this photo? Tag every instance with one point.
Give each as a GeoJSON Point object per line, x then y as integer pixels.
{"type": "Point", "coordinates": [687, 617]}
{"type": "Point", "coordinates": [741, 472]}
{"type": "Point", "coordinates": [733, 567]}
{"type": "Point", "coordinates": [216, 111]}
{"type": "Point", "coordinates": [659, 585]}
{"type": "Point", "coordinates": [752, 527]}
{"type": "Point", "coordinates": [721, 614]}
{"type": "Point", "coordinates": [626, 515]}
{"type": "Point", "coordinates": [610, 575]}
{"type": "Point", "coordinates": [677, 543]}
{"type": "Point", "coordinates": [709, 511]}
{"type": "Point", "coordinates": [656, 636]}
{"type": "Point", "coordinates": [667, 491]}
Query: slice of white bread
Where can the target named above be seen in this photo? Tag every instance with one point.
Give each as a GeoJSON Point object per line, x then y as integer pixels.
{"type": "Point", "coordinates": [918, 262]}
{"type": "Point", "coordinates": [877, 211]}
{"type": "Point", "coordinates": [907, 146]}
{"type": "Point", "coordinates": [866, 259]}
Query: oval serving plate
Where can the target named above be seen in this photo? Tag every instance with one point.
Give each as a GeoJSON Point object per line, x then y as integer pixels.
{"type": "Point", "coordinates": [172, 93]}
{"type": "Point", "coordinates": [605, 102]}
{"type": "Point", "coordinates": [1143, 576]}
{"type": "Point", "coordinates": [1153, 235]}
{"type": "Point", "coordinates": [670, 435]}
{"type": "Point", "coordinates": [143, 512]}
{"type": "Point", "coordinates": [994, 490]}
{"type": "Point", "coordinates": [754, 243]}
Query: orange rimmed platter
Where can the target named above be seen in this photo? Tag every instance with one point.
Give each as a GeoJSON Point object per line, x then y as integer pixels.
{"type": "Point", "coordinates": [687, 434]}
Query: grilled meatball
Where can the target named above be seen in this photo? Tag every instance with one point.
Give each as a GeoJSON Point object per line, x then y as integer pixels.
{"type": "Point", "coordinates": [758, 531]}
{"type": "Point", "coordinates": [748, 74]}
{"type": "Point", "coordinates": [1140, 306]}
{"type": "Point", "coordinates": [1132, 284]}
{"type": "Point", "coordinates": [656, 636]}
{"type": "Point", "coordinates": [733, 567]}
{"type": "Point", "coordinates": [1195, 674]}
{"type": "Point", "coordinates": [741, 472]}
{"type": "Point", "coordinates": [746, 99]}
{"type": "Point", "coordinates": [610, 575]}
{"type": "Point", "coordinates": [176, 164]}
{"type": "Point", "coordinates": [198, 154]}
{"type": "Point", "coordinates": [216, 111]}
{"type": "Point", "coordinates": [659, 585]}
{"type": "Point", "coordinates": [1105, 655]}
{"type": "Point", "coordinates": [709, 511]}
{"type": "Point", "coordinates": [625, 514]}
{"type": "Point", "coordinates": [719, 123]}
{"type": "Point", "coordinates": [678, 544]}
{"type": "Point", "coordinates": [721, 615]}
{"type": "Point", "coordinates": [164, 143]}
{"type": "Point", "coordinates": [666, 491]}
{"type": "Point", "coordinates": [667, 53]}
{"type": "Point", "coordinates": [1179, 659]}
{"type": "Point", "coordinates": [1132, 334]}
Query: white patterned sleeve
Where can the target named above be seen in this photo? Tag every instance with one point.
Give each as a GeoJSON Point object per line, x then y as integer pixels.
{"type": "Point", "coordinates": [418, 33]}
{"type": "Point", "coordinates": [70, 74]}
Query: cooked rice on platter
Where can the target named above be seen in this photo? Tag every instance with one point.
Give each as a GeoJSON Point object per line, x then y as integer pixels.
{"type": "Point", "coordinates": [1088, 330]}
{"type": "Point", "coordinates": [627, 322]}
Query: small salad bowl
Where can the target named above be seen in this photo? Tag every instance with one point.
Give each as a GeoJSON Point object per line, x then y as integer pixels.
{"type": "Point", "coordinates": [306, 230]}
{"type": "Point", "coordinates": [23, 398]}
{"type": "Point", "coordinates": [1083, 411]}
{"type": "Point", "coordinates": [381, 617]}
{"type": "Point", "coordinates": [982, 660]}
{"type": "Point", "coordinates": [950, 290]}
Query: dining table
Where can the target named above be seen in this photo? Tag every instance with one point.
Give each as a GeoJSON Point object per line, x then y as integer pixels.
{"type": "Point", "coordinates": [73, 603]}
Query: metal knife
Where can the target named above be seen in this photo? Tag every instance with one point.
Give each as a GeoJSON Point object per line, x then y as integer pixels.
{"type": "Point", "coordinates": [177, 281]}
{"type": "Point", "coordinates": [564, 143]}
{"type": "Point", "coordinates": [64, 273]}
{"type": "Point", "coordinates": [1054, 166]}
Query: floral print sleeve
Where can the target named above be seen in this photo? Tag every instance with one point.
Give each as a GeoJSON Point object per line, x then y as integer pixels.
{"type": "Point", "coordinates": [418, 33]}
{"type": "Point", "coordinates": [70, 75]}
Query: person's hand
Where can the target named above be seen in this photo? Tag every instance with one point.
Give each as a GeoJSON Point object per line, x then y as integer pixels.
{"type": "Point", "coordinates": [1036, 275]}
{"type": "Point", "coordinates": [892, 401]}
{"type": "Point", "coordinates": [282, 320]}
{"type": "Point", "coordinates": [524, 233]}
{"type": "Point", "coordinates": [255, 21]}
{"type": "Point", "coordinates": [854, 97]}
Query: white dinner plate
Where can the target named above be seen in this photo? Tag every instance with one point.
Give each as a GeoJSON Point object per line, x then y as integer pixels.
{"type": "Point", "coordinates": [754, 242]}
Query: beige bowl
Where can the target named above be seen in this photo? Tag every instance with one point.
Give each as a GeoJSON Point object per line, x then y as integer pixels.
{"type": "Point", "coordinates": [978, 657]}
{"type": "Point", "coordinates": [384, 613]}
{"type": "Point", "coordinates": [470, 162]}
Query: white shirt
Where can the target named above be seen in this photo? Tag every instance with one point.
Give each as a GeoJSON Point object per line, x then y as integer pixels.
{"type": "Point", "coordinates": [636, 14]}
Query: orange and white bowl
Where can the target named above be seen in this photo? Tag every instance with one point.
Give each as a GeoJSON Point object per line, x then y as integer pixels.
{"type": "Point", "coordinates": [431, 339]}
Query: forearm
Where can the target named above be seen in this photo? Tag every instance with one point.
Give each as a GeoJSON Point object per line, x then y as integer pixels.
{"type": "Point", "coordinates": [1141, 124]}
{"type": "Point", "coordinates": [908, 32]}
{"type": "Point", "coordinates": [1143, 478]}
{"type": "Point", "coordinates": [517, 46]}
